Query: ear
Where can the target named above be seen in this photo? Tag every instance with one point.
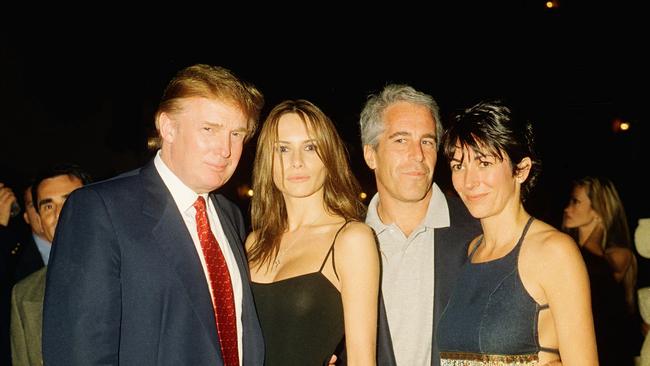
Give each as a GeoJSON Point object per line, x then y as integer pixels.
{"type": "Point", "coordinates": [369, 156]}
{"type": "Point", "coordinates": [523, 169]}
{"type": "Point", "coordinates": [167, 127]}
{"type": "Point", "coordinates": [597, 217]}
{"type": "Point", "coordinates": [26, 217]}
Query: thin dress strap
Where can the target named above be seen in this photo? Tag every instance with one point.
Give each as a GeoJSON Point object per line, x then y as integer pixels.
{"type": "Point", "coordinates": [480, 240]}
{"type": "Point", "coordinates": [539, 307]}
{"type": "Point", "coordinates": [332, 251]}
{"type": "Point", "coordinates": [544, 349]}
{"type": "Point", "coordinates": [523, 234]}
{"type": "Point", "coordinates": [521, 238]}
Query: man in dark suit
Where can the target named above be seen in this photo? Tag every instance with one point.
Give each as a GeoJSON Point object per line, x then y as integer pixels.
{"type": "Point", "coordinates": [132, 278]}
{"type": "Point", "coordinates": [423, 234]}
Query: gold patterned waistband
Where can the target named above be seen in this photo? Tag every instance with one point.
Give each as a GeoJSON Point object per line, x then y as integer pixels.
{"type": "Point", "coordinates": [479, 359]}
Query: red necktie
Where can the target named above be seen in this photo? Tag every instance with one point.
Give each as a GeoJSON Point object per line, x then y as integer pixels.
{"type": "Point", "coordinates": [222, 294]}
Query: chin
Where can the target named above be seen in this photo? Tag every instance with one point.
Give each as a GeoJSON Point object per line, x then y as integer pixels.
{"type": "Point", "coordinates": [414, 194]}
{"type": "Point", "coordinates": [476, 212]}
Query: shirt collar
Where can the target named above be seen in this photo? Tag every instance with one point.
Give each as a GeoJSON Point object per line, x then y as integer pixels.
{"type": "Point", "coordinates": [437, 215]}
{"type": "Point", "coordinates": [43, 246]}
{"type": "Point", "coordinates": [183, 196]}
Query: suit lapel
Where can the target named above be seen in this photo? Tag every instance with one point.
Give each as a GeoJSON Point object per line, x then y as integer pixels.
{"type": "Point", "coordinates": [234, 240]}
{"type": "Point", "coordinates": [171, 236]}
{"type": "Point", "coordinates": [252, 343]}
{"type": "Point", "coordinates": [450, 253]}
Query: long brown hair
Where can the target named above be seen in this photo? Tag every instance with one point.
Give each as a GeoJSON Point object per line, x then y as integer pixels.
{"type": "Point", "coordinates": [268, 209]}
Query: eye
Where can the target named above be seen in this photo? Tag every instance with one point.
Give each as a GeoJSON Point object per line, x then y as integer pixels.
{"type": "Point", "coordinates": [47, 207]}
{"type": "Point", "coordinates": [429, 142]}
{"type": "Point", "coordinates": [484, 163]}
{"type": "Point", "coordinates": [282, 149]}
{"type": "Point", "coordinates": [310, 147]}
{"type": "Point", "coordinates": [456, 166]}
{"type": "Point", "coordinates": [239, 134]}
{"type": "Point", "coordinates": [207, 129]}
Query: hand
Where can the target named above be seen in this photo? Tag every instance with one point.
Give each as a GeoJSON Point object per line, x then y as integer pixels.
{"type": "Point", "coordinates": [7, 198]}
{"type": "Point", "coordinates": [332, 361]}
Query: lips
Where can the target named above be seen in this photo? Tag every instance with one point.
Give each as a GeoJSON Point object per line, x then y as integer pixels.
{"type": "Point", "coordinates": [298, 178]}
{"type": "Point", "coordinates": [474, 197]}
{"type": "Point", "coordinates": [217, 167]}
{"type": "Point", "coordinates": [415, 173]}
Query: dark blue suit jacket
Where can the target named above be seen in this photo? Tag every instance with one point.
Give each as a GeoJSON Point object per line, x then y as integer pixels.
{"type": "Point", "coordinates": [450, 253]}
{"type": "Point", "coordinates": [125, 283]}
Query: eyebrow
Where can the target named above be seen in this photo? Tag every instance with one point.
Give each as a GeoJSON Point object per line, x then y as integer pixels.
{"type": "Point", "coordinates": [44, 201]}
{"type": "Point", "coordinates": [404, 133]}
{"type": "Point", "coordinates": [220, 125]}
{"type": "Point", "coordinates": [302, 142]}
{"type": "Point", "coordinates": [48, 200]}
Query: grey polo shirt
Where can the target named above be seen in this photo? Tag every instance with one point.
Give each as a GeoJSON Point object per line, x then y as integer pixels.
{"type": "Point", "coordinates": [407, 279]}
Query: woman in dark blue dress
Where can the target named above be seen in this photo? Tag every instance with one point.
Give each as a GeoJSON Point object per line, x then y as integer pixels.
{"type": "Point", "coordinates": [523, 295]}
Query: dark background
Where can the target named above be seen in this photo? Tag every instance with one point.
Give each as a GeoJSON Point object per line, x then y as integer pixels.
{"type": "Point", "coordinates": [85, 89]}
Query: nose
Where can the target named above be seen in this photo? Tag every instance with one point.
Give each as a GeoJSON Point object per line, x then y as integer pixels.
{"type": "Point", "coordinates": [57, 212]}
{"type": "Point", "coordinates": [472, 179]}
{"type": "Point", "coordinates": [415, 151]}
{"type": "Point", "coordinates": [223, 144]}
{"type": "Point", "coordinates": [296, 158]}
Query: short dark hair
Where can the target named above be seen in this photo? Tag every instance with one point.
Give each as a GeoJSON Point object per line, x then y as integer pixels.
{"type": "Point", "coordinates": [497, 127]}
{"type": "Point", "coordinates": [69, 169]}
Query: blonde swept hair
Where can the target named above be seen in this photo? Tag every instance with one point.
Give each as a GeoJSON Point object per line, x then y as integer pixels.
{"type": "Point", "coordinates": [211, 82]}
{"type": "Point", "coordinates": [608, 205]}
{"type": "Point", "coordinates": [268, 210]}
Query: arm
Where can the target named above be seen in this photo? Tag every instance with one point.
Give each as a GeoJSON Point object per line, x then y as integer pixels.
{"type": "Point", "coordinates": [81, 314]}
{"type": "Point", "coordinates": [566, 285]}
{"type": "Point", "coordinates": [619, 260]}
{"type": "Point", "coordinates": [18, 343]}
{"type": "Point", "coordinates": [357, 261]}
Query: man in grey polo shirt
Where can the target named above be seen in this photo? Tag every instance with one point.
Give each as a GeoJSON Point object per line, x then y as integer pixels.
{"type": "Point", "coordinates": [423, 234]}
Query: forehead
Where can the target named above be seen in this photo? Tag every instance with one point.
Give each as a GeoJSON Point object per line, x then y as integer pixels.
{"type": "Point", "coordinates": [409, 117]}
{"type": "Point", "coordinates": [214, 111]}
{"type": "Point", "coordinates": [580, 192]}
{"type": "Point", "coordinates": [59, 185]}
{"type": "Point", "coordinates": [291, 126]}
{"type": "Point", "coordinates": [471, 152]}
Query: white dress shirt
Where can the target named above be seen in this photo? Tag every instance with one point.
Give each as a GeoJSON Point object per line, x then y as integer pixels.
{"type": "Point", "coordinates": [185, 198]}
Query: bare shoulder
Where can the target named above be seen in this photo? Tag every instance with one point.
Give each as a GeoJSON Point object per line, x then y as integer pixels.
{"type": "Point", "coordinates": [549, 254]}
{"type": "Point", "coordinates": [546, 242]}
{"type": "Point", "coordinates": [356, 228]}
{"type": "Point", "coordinates": [357, 253]}
{"type": "Point", "coordinates": [250, 239]}
{"type": "Point", "coordinates": [356, 231]}
{"type": "Point", "coordinates": [547, 258]}
{"type": "Point", "coordinates": [619, 253]}
{"type": "Point", "coordinates": [356, 236]}
{"type": "Point", "coordinates": [619, 257]}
